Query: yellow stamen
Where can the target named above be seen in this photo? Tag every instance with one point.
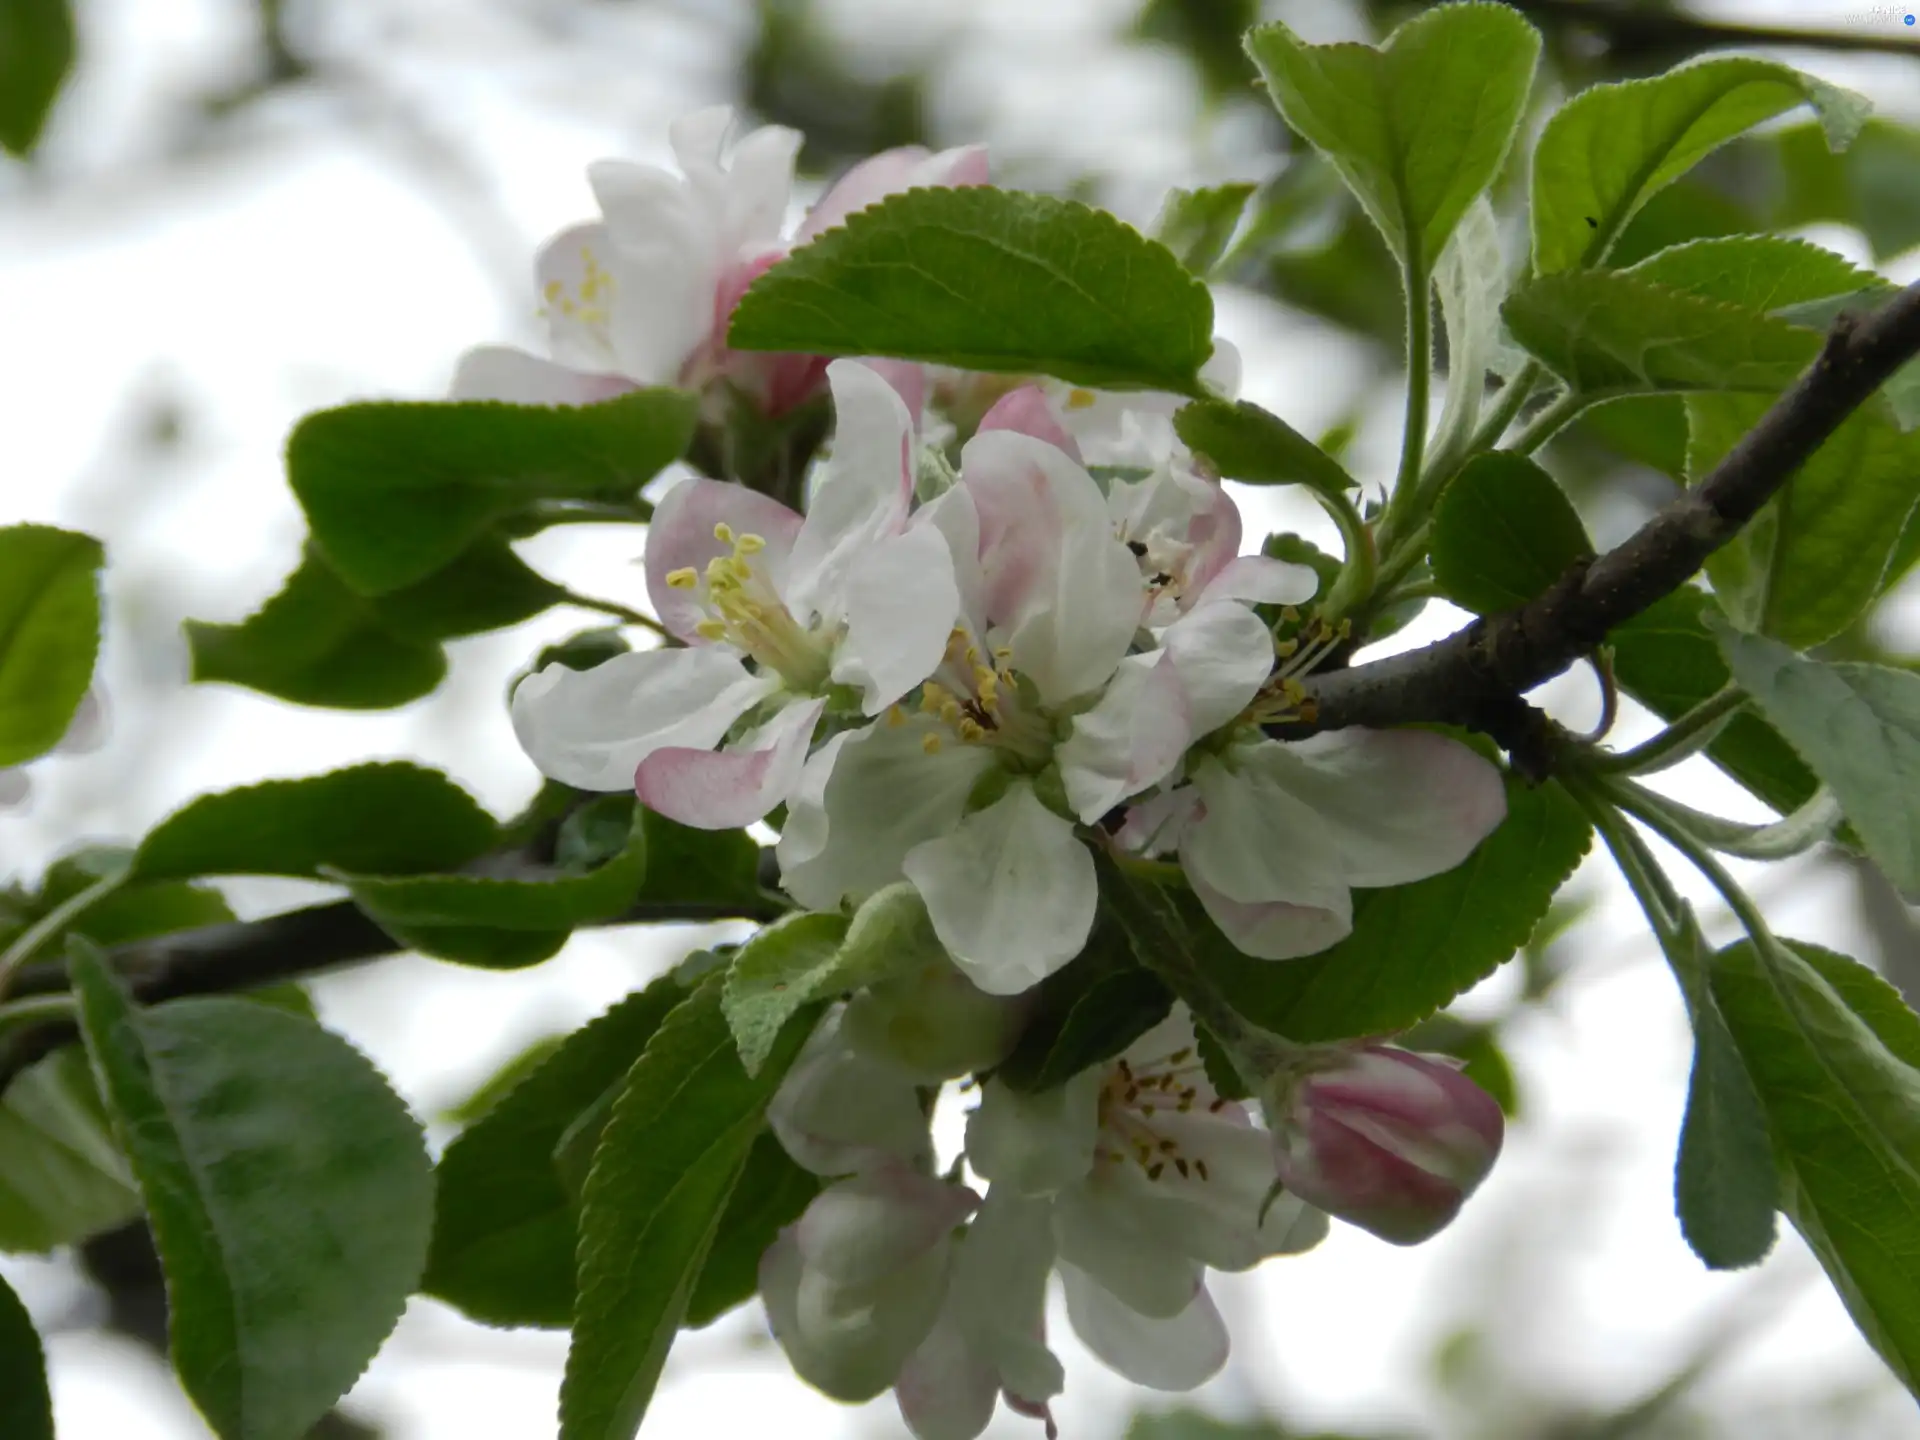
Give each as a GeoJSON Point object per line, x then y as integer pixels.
{"type": "Point", "coordinates": [750, 544]}
{"type": "Point", "coordinates": [685, 578]}
{"type": "Point", "coordinates": [711, 629]}
{"type": "Point", "coordinates": [930, 744]}
{"type": "Point", "coordinates": [723, 532]}
{"type": "Point", "coordinates": [896, 717]}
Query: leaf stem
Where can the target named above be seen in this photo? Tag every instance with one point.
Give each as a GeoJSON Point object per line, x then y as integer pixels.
{"type": "Point", "coordinates": [1550, 421]}
{"type": "Point", "coordinates": [55, 920]}
{"type": "Point", "coordinates": [37, 1010]}
{"type": "Point", "coordinates": [1358, 576]}
{"type": "Point", "coordinates": [615, 609]}
{"type": "Point", "coordinates": [1405, 507]}
{"type": "Point", "coordinates": [1685, 737]}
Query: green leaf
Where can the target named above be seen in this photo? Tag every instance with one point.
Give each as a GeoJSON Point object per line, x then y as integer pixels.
{"type": "Point", "coordinates": [1611, 331]}
{"type": "Point", "coordinates": [1858, 726]}
{"type": "Point", "coordinates": [1648, 429]}
{"type": "Point", "coordinates": [1761, 273]}
{"type": "Point", "coordinates": [1415, 947]}
{"type": "Point", "coordinates": [1086, 1013]}
{"type": "Point", "coordinates": [1844, 1112]}
{"type": "Point", "coordinates": [712, 867]}
{"type": "Point", "coordinates": [288, 1188]}
{"type": "Point", "coordinates": [62, 1177]}
{"type": "Point", "coordinates": [1419, 127]}
{"type": "Point", "coordinates": [529, 896]}
{"type": "Point", "coordinates": [770, 1196]}
{"type": "Point", "coordinates": [505, 1223]}
{"type": "Point", "coordinates": [26, 1404]}
{"type": "Point", "coordinates": [318, 643]}
{"type": "Point", "coordinates": [1197, 225]}
{"type": "Point", "coordinates": [1666, 658]}
{"type": "Point", "coordinates": [1870, 997]}
{"type": "Point", "coordinates": [1257, 447]}
{"type": "Point", "coordinates": [396, 492]}
{"type": "Point", "coordinates": [386, 819]}
{"type": "Point", "coordinates": [1688, 209]}
{"type": "Point", "coordinates": [1503, 532]}
{"type": "Point", "coordinates": [1813, 560]}
{"type": "Point", "coordinates": [668, 1162]}
{"type": "Point", "coordinates": [129, 912]}
{"type": "Point", "coordinates": [1870, 187]}
{"type": "Point", "coordinates": [49, 633]}
{"type": "Point", "coordinates": [803, 958]}
{"type": "Point", "coordinates": [989, 279]}
{"type": "Point", "coordinates": [36, 52]}
{"type": "Point", "coordinates": [1610, 148]}
{"type": "Point", "coordinates": [1725, 1185]}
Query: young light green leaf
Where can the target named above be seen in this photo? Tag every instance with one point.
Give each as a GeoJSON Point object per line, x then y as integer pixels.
{"type": "Point", "coordinates": [1844, 1112]}
{"type": "Point", "coordinates": [62, 1178]}
{"type": "Point", "coordinates": [36, 52]}
{"type": "Point", "coordinates": [379, 819]}
{"type": "Point", "coordinates": [783, 967]}
{"type": "Point", "coordinates": [49, 634]}
{"type": "Point", "coordinates": [1611, 331]}
{"type": "Point", "coordinates": [289, 1191]}
{"type": "Point", "coordinates": [1858, 726]}
{"type": "Point", "coordinates": [1725, 1186]}
{"type": "Point", "coordinates": [318, 643]}
{"type": "Point", "coordinates": [1611, 147]}
{"type": "Point", "coordinates": [1415, 947]}
{"type": "Point", "coordinates": [989, 279]}
{"type": "Point", "coordinates": [1198, 224]}
{"type": "Point", "coordinates": [1761, 273]}
{"type": "Point", "coordinates": [1257, 447]}
{"type": "Point", "coordinates": [770, 1196]}
{"type": "Point", "coordinates": [26, 1404]}
{"type": "Point", "coordinates": [396, 492]}
{"type": "Point", "coordinates": [505, 1223]}
{"type": "Point", "coordinates": [803, 958]}
{"type": "Point", "coordinates": [1420, 126]}
{"type": "Point", "coordinates": [1812, 561]}
{"type": "Point", "coordinates": [668, 1163]}
{"type": "Point", "coordinates": [1666, 658]}
{"type": "Point", "coordinates": [1471, 280]}
{"type": "Point", "coordinates": [1870, 187]}
{"type": "Point", "coordinates": [1503, 532]}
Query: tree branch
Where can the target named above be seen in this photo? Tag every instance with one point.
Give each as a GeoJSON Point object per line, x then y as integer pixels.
{"type": "Point", "coordinates": [251, 954]}
{"type": "Point", "coordinates": [1634, 32]}
{"type": "Point", "coordinates": [1476, 676]}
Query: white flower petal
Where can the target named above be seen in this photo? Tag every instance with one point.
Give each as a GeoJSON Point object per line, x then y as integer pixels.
{"type": "Point", "coordinates": [847, 1342]}
{"type": "Point", "coordinates": [839, 1112]}
{"type": "Point", "coordinates": [864, 491]}
{"type": "Point", "coordinates": [999, 1292]}
{"type": "Point", "coordinates": [901, 603]}
{"type": "Point", "coordinates": [1100, 1232]}
{"type": "Point", "coordinates": [948, 1387]}
{"type": "Point", "coordinates": [1131, 739]}
{"type": "Point", "coordinates": [499, 372]}
{"type": "Point", "coordinates": [1223, 654]}
{"type": "Point", "coordinates": [1011, 893]}
{"type": "Point", "coordinates": [1276, 929]}
{"type": "Point", "coordinates": [592, 728]}
{"type": "Point", "coordinates": [881, 794]}
{"type": "Point", "coordinates": [1261, 580]}
{"type": "Point", "coordinates": [860, 1230]}
{"type": "Point", "coordinates": [1163, 1354]}
{"type": "Point", "coordinates": [1398, 805]}
{"type": "Point", "coordinates": [1035, 1144]}
{"type": "Point", "coordinates": [1256, 843]}
{"type": "Point", "coordinates": [684, 536]}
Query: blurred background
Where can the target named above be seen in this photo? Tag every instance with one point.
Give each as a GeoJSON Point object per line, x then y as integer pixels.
{"type": "Point", "coordinates": [243, 210]}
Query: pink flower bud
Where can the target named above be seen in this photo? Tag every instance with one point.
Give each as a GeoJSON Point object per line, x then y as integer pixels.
{"type": "Point", "coordinates": [1388, 1140]}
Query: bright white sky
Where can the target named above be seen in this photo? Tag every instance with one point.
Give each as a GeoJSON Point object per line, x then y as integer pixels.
{"type": "Point", "coordinates": [306, 266]}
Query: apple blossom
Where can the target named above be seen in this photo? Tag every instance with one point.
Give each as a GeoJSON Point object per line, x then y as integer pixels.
{"type": "Point", "coordinates": [1386, 1139]}
{"type": "Point", "coordinates": [643, 296]}
{"type": "Point", "coordinates": [1274, 835]}
{"type": "Point", "coordinates": [776, 610]}
{"type": "Point", "coordinates": [1152, 1177]}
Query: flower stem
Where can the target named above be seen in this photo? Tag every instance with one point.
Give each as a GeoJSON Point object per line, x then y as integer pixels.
{"type": "Point", "coordinates": [1405, 506]}
{"type": "Point", "coordinates": [1688, 735]}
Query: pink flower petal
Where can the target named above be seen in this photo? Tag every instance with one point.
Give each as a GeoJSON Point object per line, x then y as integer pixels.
{"type": "Point", "coordinates": [873, 179]}
{"type": "Point", "coordinates": [682, 537]}
{"type": "Point", "coordinates": [1026, 412]}
{"type": "Point", "coordinates": [726, 789]}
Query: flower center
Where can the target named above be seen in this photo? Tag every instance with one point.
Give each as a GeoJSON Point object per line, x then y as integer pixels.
{"type": "Point", "coordinates": [744, 609]}
{"type": "Point", "coordinates": [1164, 561]}
{"type": "Point", "coordinates": [978, 703]}
{"type": "Point", "coordinates": [1133, 1094]}
{"type": "Point", "coordinates": [587, 304]}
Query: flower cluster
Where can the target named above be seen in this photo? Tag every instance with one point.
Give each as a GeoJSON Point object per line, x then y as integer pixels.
{"type": "Point", "coordinates": [1129, 1183]}
{"type": "Point", "coordinates": [1011, 623]}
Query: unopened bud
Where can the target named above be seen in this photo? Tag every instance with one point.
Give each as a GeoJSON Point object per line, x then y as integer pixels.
{"type": "Point", "coordinates": [1385, 1139]}
{"type": "Point", "coordinates": [934, 1022]}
